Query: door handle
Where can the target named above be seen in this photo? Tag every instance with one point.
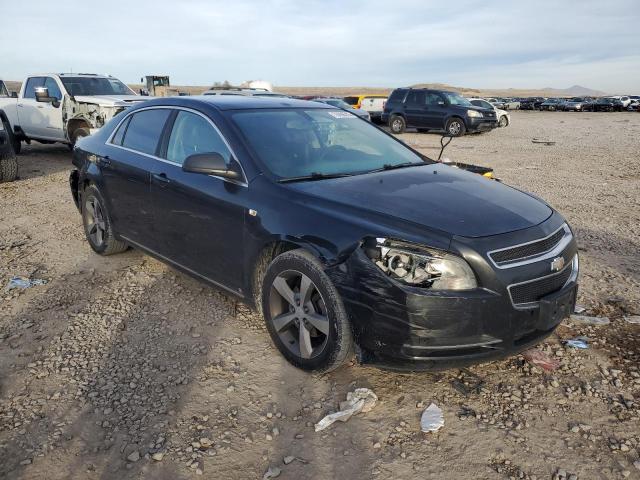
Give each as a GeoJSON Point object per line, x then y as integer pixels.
{"type": "Point", "coordinates": [161, 178]}
{"type": "Point", "coordinates": [103, 161]}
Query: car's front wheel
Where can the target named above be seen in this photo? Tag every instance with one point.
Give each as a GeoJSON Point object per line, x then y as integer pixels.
{"type": "Point", "coordinates": [97, 224]}
{"type": "Point", "coordinates": [304, 313]}
{"type": "Point", "coordinates": [455, 127]}
{"type": "Point", "coordinates": [504, 121]}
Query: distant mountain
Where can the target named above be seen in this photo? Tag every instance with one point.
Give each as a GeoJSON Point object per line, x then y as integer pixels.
{"type": "Point", "coordinates": [576, 91]}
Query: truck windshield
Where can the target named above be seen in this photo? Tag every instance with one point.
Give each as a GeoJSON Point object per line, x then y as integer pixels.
{"type": "Point", "coordinates": [95, 86]}
{"type": "Point", "coordinates": [294, 143]}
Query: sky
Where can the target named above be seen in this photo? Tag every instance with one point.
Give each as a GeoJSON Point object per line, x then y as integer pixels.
{"type": "Point", "coordinates": [378, 43]}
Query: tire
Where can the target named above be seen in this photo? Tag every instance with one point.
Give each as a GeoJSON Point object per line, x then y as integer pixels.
{"type": "Point", "coordinates": [318, 345]}
{"type": "Point", "coordinates": [97, 223]}
{"type": "Point", "coordinates": [397, 124]}
{"type": "Point", "coordinates": [455, 127]}
{"type": "Point", "coordinates": [79, 133]}
{"type": "Point", "coordinates": [8, 167]}
{"type": "Point", "coordinates": [15, 143]}
{"type": "Point", "coordinates": [503, 122]}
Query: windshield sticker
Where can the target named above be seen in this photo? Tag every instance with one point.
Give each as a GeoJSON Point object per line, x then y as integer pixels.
{"type": "Point", "coordinates": [342, 115]}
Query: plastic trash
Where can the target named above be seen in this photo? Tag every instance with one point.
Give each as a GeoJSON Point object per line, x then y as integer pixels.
{"type": "Point", "coordinates": [540, 359]}
{"type": "Point", "coordinates": [23, 283]}
{"type": "Point", "coordinates": [579, 342]}
{"type": "Point", "coordinates": [579, 309]}
{"type": "Point", "coordinates": [587, 320]}
{"type": "Point", "coordinates": [273, 472]}
{"type": "Point", "coordinates": [634, 319]}
{"type": "Point", "coordinates": [360, 400]}
{"type": "Point", "coordinates": [432, 419]}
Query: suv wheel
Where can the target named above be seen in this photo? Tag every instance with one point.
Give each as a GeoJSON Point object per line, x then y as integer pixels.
{"type": "Point", "coordinates": [97, 224]}
{"type": "Point", "coordinates": [455, 127]}
{"type": "Point", "coordinates": [304, 313]}
{"type": "Point", "coordinates": [397, 124]}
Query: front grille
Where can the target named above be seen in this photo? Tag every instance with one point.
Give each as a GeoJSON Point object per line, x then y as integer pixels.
{"type": "Point", "coordinates": [534, 290]}
{"type": "Point", "coordinates": [528, 250]}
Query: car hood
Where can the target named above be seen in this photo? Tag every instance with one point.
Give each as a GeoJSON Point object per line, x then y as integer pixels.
{"type": "Point", "coordinates": [111, 100]}
{"type": "Point", "coordinates": [436, 196]}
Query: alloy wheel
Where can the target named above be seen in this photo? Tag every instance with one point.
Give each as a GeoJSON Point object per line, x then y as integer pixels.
{"type": "Point", "coordinates": [94, 217]}
{"type": "Point", "coordinates": [396, 125]}
{"type": "Point", "coordinates": [299, 314]}
{"type": "Point", "coordinates": [454, 128]}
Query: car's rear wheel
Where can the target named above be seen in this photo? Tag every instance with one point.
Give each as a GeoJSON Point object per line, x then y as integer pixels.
{"type": "Point", "coordinates": [455, 127]}
{"type": "Point", "coordinates": [97, 224]}
{"type": "Point", "coordinates": [504, 121]}
{"type": "Point", "coordinates": [397, 124]}
{"type": "Point", "coordinates": [304, 313]}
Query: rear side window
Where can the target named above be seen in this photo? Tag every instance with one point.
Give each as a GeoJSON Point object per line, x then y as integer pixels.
{"type": "Point", "coordinates": [416, 97]}
{"type": "Point", "coordinates": [397, 95]}
{"type": "Point", "coordinates": [193, 134]}
{"type": "Point", "coordinates": [351, 100]}
{"type": "Point", "coordinates": [32, 84]}
{"type": "Point", "coordinates": [117, 138]}
{"type": "Point", "coordinates": [144, 130]}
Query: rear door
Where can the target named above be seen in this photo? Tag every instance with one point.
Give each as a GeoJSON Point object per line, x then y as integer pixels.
{"type": "Point", "coordinates": [415, 109]}
{"type": "Point", "coordinates": [31, 115]}
{"type": "Point", "coordinates": [199, 219]}
{"type": "Point", "coordinates": [131, 155]}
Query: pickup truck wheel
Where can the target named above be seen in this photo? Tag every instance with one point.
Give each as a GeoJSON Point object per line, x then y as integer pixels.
{"type": "Point", "coordinates": [97, 224]}
{"type": "Point", "coordinates": [79, 133]}
{"type": "Point", "coordinates": [8, 167]}
{"type": "Point", "coordinates": [15, 143]}
{"type": "Point", "coordinates": [455, 127]}
{"type": "Point", "coordinates": [304, 313]}
{"type": "Point", "coordinates": [397, 124]}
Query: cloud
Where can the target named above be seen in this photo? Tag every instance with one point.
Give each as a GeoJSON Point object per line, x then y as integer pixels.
{"type": "Point", "coordinates": [379, 43]}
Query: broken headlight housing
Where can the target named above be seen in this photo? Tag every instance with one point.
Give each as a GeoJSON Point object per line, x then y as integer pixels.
{"type": "Point", "coordinates": [420, 266]}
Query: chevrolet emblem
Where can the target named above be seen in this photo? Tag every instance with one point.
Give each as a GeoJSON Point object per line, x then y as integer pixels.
{"type": "Point", "coordinates": [557, 264]}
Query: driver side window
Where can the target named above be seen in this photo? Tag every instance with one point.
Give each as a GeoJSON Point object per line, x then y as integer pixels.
{"type": "Point", "coordinates": [54, 90]}
{"type": "Point", "coordinates": [193, 134]}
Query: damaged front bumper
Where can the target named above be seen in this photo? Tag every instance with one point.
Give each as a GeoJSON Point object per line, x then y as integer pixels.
{"type": "Point", "coordinates": [400, 327]}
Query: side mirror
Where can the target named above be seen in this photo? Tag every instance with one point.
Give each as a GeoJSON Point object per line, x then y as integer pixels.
{"type": "Point", "coordinates": [42, 95]}
{"type": "Point", "coordinates": [14, 94]}
{"type": "Point", "coordinates": [211, 164]}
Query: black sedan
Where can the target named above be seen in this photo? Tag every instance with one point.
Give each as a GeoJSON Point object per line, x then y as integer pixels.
{"type": "Point", "coordinates": [343, 237]}
{"type": "Point", "coordinates": [608, 104]}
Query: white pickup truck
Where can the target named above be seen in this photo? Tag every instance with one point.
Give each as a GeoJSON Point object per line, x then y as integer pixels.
{"type": "Point", "coordinates": [63, 107]}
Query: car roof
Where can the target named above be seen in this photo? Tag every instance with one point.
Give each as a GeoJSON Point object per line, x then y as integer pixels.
{"type": "Point", "coordinates": [237, 102]}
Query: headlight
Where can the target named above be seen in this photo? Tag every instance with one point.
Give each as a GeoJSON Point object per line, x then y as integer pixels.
{"type": "Point", "coordinates": [421, 266]}
{"type": "Point", "coordinates": [474, 114]}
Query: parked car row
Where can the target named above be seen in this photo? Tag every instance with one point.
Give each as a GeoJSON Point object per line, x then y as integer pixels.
{"type": "Point", "coordinates": [617, 103]}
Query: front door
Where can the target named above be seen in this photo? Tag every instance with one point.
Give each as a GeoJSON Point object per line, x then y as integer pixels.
{"type": "Point", "coordinates": [199, 219]}
{"type": "Point", "coordinates": [31, 115]}
{"type": "Point", "coordinates": [436, 111]}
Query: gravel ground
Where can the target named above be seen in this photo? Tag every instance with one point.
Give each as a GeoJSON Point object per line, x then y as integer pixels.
{"type": "Point", "coordinates": [121, 367]}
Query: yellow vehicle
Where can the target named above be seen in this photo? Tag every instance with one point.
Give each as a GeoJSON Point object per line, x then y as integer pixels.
{"type": "Point", "coordinates": [158, 86]}
{"type": "Point", "coordinates": [356, 100]}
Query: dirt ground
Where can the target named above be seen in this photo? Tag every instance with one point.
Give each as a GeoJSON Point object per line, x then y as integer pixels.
{"type": "Point", "coordinates": [120, 367]}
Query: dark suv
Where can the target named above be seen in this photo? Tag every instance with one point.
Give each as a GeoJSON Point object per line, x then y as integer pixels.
{"type": "Point", "coordinates": [435, 110]}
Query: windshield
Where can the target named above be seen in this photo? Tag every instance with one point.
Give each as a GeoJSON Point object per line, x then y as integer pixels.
{"type": "Point", "coordinates": [457, 99]}
{"type": "Point", "coordinates": [95, 86]}
{"type": "Point", "coordinates": [296, 142]}
{"type": "Point", "coordinates": [337, 103]}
